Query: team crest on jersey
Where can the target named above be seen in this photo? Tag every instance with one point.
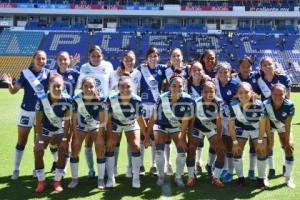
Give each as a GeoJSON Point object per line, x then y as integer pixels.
{"type": "Point", "coordinates": [254, 115]}
{"type": "Point", "coordinates": [136, 80]}
{"type": "Point", "coordinates": [98, 83]}
{"type": "Point", "coordinates": [95, 107]}
{"type": "Point", "coordinates": [182, 108]}
{"type": "Point", "coordinates": [103, 71]}
{"type": "Point", "coordinates": [229, 92]}
{"type": "Point", "coordinates": [70, 77]}
{"type": "Point", "coordinates": [64, 108]}
{"type": "Point", "coordinates": [253, 80]}
{"type": "Point", "coordinates": [37, 106]}
{"type": "Point", "coordinates": [284, 114]}
{"type": "Point", "coordinates": [159, 72]}
{"type": "Point", "coordinates": [153, 83]}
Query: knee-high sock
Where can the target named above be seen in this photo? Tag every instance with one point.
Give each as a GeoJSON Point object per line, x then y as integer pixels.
{"type": "Point", "coordinates": [160, 158]}
{"type": "Point", "coordinates": [110, 164]}
{"type": "Point", "coordinates": [190, 164]}
{"type": "Point", "coordinates": [59, 172]}
{"type": "Point", "coordinates": [40, 173]}
{"type": "Point", "coordinates": [198, 154]}
{"type": "Point", "coordinates": [168, 152]}
{"type": "Point", "coordinates": [252, 159]}
{"type": "Point", "coordinates": [261, 165]}
{"type": "Point", "coordinates": [289, 164]}
{"type": "Point", "coordinates": [238, 165]}
{"type": "Point", "coordinates": [18, 156]}
{"type": "Point", "coordinates": [218, 169]}
{"type": "Point", "coordinates": [74, 162]}
{"type": "Point", "coordinates": [89, 158]}
{"type": "Point", "coordinates": [271, 160]}
{"type": "Point", "coordinates": [180, 162]}
{"type": "Point", "coordinates": [101, 168]}
{"type": "Point", "coordinates": [136, 164]}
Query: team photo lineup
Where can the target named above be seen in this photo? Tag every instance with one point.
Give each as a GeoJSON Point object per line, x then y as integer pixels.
{"type": "Point", "coordinates": [150, 105]}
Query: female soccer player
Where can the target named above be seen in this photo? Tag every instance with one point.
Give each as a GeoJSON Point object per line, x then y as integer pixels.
{"type": "Point", "coordinates": [226, 90]}
{"type": "Point", "coordinates": [280, 112]}
{"type": "Point", "coordinates": [153, 75]}
{"type": "Point", "coordinates": [269, 77]}
{"type": "Point", "coordinates": [88, 120]}
{"type": "Point", "coordinates": [195, 82]}
{"type": "Point", "coordinates": [209, 62]}
{"type": "Point", "coordinates": [246, 74]}
{"type": "Point", "coordinates": [207, 122]}
{"type": "Point", "coordinates": [102, 71]}
{"type": "Point", "coordinates": [125, 113]}
{"type": "Point", "coordinates": [34, 81]}
{"type": "Point", "coordinates": [247, 119]}
{"type": "Point", "coordinates": [52, 123]}
{"type": "Point", "coordinates": [171, 119]}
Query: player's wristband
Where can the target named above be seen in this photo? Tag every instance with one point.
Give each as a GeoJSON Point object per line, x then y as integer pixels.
{"type": "Point", "coordinates": [41, 142]}
{"type": "Point", "coordinates": [259, 141]}
{"type": "Point", "coordinates": [235, 142]}
{"type": "Point", "coordinates": [64, 139]}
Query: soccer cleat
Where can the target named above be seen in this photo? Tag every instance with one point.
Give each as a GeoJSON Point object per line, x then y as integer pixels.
{"type": "Point", "coordinates": [91, 174]}
{"type": "Point", "coordinates": [169, 170]}
{"type": "Point", "coordinates": [261, 184]}
{"type": "Point", "coordinates": [271, 173]}
{"type": "Point", "coordinates": [53, 167]}
{"type": "Point", "coordinates": [129, 172]}
{"type": "Point", "coordinates": [160, 181]}
{"type": "Point", "coordinates": [241, 182]}
{"type": "Point", "coordinates": [198, 169]}
{"type": "Point", "coordinates": [191, 182]}
{"type": "Point", "coordinates": [208, 169]}
{"type": "Point", "coordinates": [142, 171]}
{"type": "Point", "coordinates": [226, 177]}
{"type": "Point", "coordinates": [73, 183]}
{"type": "Point", "coordinates": [101, 184]}
{"type": "Point", "coordinates": [110, 183]}
{"type": "Point", "coordinates": [40, 187]}
{"type": "Point", "coordinates": [179, 182]}
{"type": "Point", "coordinates": [290, 182]}
{"type": "Point", "coordinates": [136, 183]}
{"type": "Point", "coordinates": [15, 175]}
{"type": "Point", "coordinates": [153, 171]}
{"type": "Point", "coordinates": [251, 175]}
{"type": "Point", "coordinates": [57, 186]}
{"type": "Point", "coordinates": [217, 182]}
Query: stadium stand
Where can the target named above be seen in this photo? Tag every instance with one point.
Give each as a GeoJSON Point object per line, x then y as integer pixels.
{"type": "Point", "coordinates": [14, 64]}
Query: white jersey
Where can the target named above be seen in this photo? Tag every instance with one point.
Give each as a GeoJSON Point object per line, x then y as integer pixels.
{"type": "Point", "coordinates": [103, 75]}
{"type": "Point", "coordinates": [135, 77]}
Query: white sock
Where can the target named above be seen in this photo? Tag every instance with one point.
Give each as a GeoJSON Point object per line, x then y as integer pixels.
{"type": "Point", "coordinates": [228, 164]}
{"type": "Point", "coordinates": [252, 161]}
{"type": "Point", "coordinates": [217, 172]}
{"type": "Point", "coordinates": [271, 160]}
{"type": "Point", "coordinates": [89, 158]}
{"type": "Point", "coordinates": [238, 165]}
{"type": "Point", "coordinates": [101, 168]}
{"type": "Point", "coordinates": [261, 165]}
{"type": "Point", "coordinates": [289, 164]}
{"type": "Point", "coordinates": [40, 173]}
{"type": "Point", "coordinates": [153, 152]}
{"type": "Point", "coordinates": [58, 174]}
{"type": "Point", "coordinates": [191, 171]}
{"type": "Point", "coordinates": [129, 155]}
{"type": "Point", "coordinates": [117, 149]}
{"type": "Point", "coordinates": [110, 165]}
{"type": "Point", "coordinates": [198, 156]}
{"type": "Point", "coordinates": [167, 153]}
{"type": "Point", "coordinates": [142, 149]}
{"type": "Point", "coordinates": [180, 163]}
{"type": "Point", "coordinates": [160, 162]}
{"type": "Point", "coordinates": [136, 164]}
{"type": "Point", "coordinates": [18, 159]}
{"type": "Point", "coordinates": [74, 169]}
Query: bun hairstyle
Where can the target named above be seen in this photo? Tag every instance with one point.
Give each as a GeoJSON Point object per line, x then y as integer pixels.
{"type": "Point", "coordinates": [89, 78]}
{"type": "Point", "coordinates": [176, 75]}
{"type": "Point", "coordinates": [278, 86]}
{"type": "Point", "coordinates": [246, 59]}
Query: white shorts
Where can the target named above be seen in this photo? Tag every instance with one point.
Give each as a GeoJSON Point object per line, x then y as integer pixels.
{"type": "Point", "coordinates": [165, 130]}
{"type": "Point", "coordinates": [225, 122]}
{"type": "Point", "coordinates": [248, 134]}
{"type": "Point", "coordinates": [118, 129]}
{"type": "Point", "coordinates": [47, 133]}
{"type": "Point", "coordinates": [87, 128]}
{"type": "Point", "coordinates": [26, 118]}
{"type": "Point", "coordinates": [149, 109]}
{"type": "Point", "coordinates": [200, 134]}
{"type": "Point", "coordinates": [281, 130]}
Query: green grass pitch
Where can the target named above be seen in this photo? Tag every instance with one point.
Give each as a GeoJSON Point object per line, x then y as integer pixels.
{"type": "Point", "coordinates": [23, 188]}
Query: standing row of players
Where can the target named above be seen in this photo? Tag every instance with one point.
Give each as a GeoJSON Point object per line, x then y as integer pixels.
{"type": "Point", "coordinates": [204, 99]}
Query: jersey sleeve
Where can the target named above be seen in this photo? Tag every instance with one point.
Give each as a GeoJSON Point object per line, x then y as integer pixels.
{"type": "Point", "coordinates": [291, 110]}
{"type": "Point", "coordinates": [21, 80]}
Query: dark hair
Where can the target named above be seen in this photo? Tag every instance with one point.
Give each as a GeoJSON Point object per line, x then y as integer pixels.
{"type": "Point", "coordinates": [127, 53]}
{"type": "Point", "coordinates": [176, 74]}
{"type": "Point", "coordinates": [125, 76]}
{"type": "Point", "coordinates": [278, 86]}
{"type": "Point", "coordinates": [95, 48]}
{"type": "Point", "coordinates": [246, 59]}
{"type": "Point", "coordinates": [34, 55]}
{"type": "Point", "coordinates": [205, 53]}
{"type": "Point", "coordinates": [151, 50]}
{"type": "Point", "coordinates": [54, 76]}
{"type": "Point", "coordinates": [209, 83]}
{"type": "Point", "coordinates": [96, 94]}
